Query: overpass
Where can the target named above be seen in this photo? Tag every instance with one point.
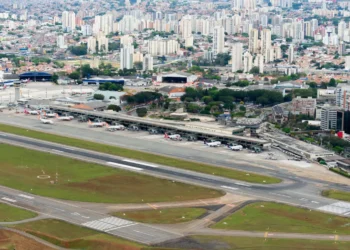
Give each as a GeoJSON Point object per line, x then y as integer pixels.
{"type": "Point", "coordinates": [190, 132]}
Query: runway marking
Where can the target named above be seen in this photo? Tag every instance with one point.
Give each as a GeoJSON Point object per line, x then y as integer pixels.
{"type": "Point", "coordinates": [108, 223]}
{"type": "Point", "coordinates": [26, 196]}
{"type": "Point", "coordinates": [336, 237]}
{"type": "Point", "coordinates": [143, 233]}
{"type": "Point", "coordinates": [57, 151]}
{"type": "Point", "coordinates": [152, 206]}
{"type": "Point", "coordinates": [337, 208]}
{"type": "Point", "coordinates": [266, 234]}
{"type": "Point", "coordinates": [116, 228]}
{"type": "Point", "coordinates": [227, 187]}
{"type": "Point", "coordinates": [124, 166]}
{"type": "Point", "coordinates": [347, 213]}
{"type": "Point", "coordinates": [316, 202]}
{"type": "Point", "coordinates": [242, 184]}
{"type": "Point", "coordinates": [283, 195]}
{"type": "Point", "coordinates": [230, 205]}
{"type": "Point", "coordinates": [141, 163]}
{"type": "Point", "coordinates": [8, 199]}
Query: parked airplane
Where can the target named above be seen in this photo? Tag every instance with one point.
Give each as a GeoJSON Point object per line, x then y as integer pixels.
{"type": "Point", "coordinates": [114, 127]}
{"type": "Point", "coordinates": [212, 143]}
{"type": "Point", "coordinates": [64, 118]}
{"type": "Point", "coordinates": [49, 115]}
{"type": "Point", "coordinates": [96, 124]}
{"type": "Point", "coordinates": [25, 80]}
{"type": "Point", "coordinates": [31, 112]}
{"type": "Point", "coordinates": [236, 147]}
{"type": "Point", "coordinates": [175, 137]}
{"type": "Point", "coordinates": [45, 121]}
{"type": "Point", "coordinates": [3, 87]}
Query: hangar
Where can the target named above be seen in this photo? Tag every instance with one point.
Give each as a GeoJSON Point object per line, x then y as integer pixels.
{"type": "Point", "coordinates": [178, 77]}
{"type": "Point", "coordinates": [36, 76]}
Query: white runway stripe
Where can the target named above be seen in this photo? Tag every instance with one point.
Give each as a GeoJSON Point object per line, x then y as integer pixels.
{"type": "Point", "coordinates": [124, 166]}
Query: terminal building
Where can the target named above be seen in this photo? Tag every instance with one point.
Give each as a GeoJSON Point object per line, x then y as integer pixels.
{"type": "Point", "coordinates": [177, 77]}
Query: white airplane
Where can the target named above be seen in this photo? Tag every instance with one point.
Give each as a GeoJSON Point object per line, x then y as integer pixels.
{"type": "Point", "coordinates": [64, 118]}
{"type": "Point", "coordinates": [114, 127]}
{"type": "Point", "coordinates": [50, 115]}
{"type": "Point", "coordinates": [31, 112]}
{"type": "Point", "coordinates": [96, 124]}
{"type": "Point", "coordinates": [236, 147]}
{"type": "Point", "coordinates": [213, 143]}
{"type": "Point", "coordinates": [175, 137]}
{"type": "Point", "coordinates": [25, 80]}
{"type": "Point", "coordinates": [3, 87]}
{"type": "Point", "coordinates": [45, 121]}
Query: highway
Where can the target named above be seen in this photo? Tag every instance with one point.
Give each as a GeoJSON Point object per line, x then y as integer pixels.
{"type": "Point", "coordinates": [295, 190]}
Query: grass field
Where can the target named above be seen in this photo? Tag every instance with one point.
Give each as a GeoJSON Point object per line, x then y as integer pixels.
{"type": "Point", "coordinates": [163, 216]}
{"type": "Point", "coordinates": [274, 217]}
{"type": "Point", "coordinates": [232, 243]}
{"type": "Point", "coordinates": [336, 194]}
{"type": "Point", "coordinates": [9, 213]}
{"type": "Point", "coordinates": [71, 236]}
{"type": "Point", "coordinates": [14, 241]}
{"type": "Point", "coordinates": [138, 155]}
{"type": "Point", "coordinates": [83, 181]}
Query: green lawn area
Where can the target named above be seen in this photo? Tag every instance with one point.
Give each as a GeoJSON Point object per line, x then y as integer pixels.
{"type": "Point", "coordinates": [226, 242]}
{"type": "Point", "coordinates": [163, 216]}
{"type": "Point", "coordinates": [275, 217]}
{"type": "Point", "coordinates": [71, 236]}
{"type": "Point", "coordinates": [138, 155]}
{"type": "Point", "coordinates": [83, 181]}
{"type": "Point", "coordinates": [336, 194]}
{"type": "Point", "coordinates": [9, 213]}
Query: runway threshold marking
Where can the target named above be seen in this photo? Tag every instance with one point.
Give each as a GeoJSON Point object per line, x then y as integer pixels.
{"type": "Point", "coordinates": [143, 233]}
{"type": "Point", "coordinates": [124, 166]}
{"type": "Point", "coordinates": [152, 206]}
{"type": "Point", "coordinates": [336, 237]}
{"type": "Point", "coordinates": [242, 184]}
{"type": "Point", "coordinates": [57, 151]}
{"type": "Point", "coordinates": [8, 199]}
{"type": "Point", "coordinates": [266, 234]}
{"type": "Point", "coordinates": [26, 196]}
{"type": "Point", "coordinates": [204, 202]}
{"type": "Point", "coordinates": [141, 163]}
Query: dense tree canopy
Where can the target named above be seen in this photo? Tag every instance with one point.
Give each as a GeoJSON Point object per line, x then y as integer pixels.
{"type": "Point", "coordinates": [143, 97]}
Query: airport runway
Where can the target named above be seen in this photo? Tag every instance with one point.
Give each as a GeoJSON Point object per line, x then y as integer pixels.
{"type": "Point", "coordinates": [300, 191]}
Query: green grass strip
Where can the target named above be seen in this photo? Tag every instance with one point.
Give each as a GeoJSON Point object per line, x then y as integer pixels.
{"type": "Point", "coordinates": [142, 156]}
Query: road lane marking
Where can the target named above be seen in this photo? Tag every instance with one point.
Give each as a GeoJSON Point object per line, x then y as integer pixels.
{"type": "Point", "coordinates": [242, 184]}
{"type": "Point", "coordinates": [8, 199]}
{"type": "Point", "coordinates": [152, 206]}
{"type": "Point", "coordinates": [141, 163]}
{"type": "Point", "coordinates": [124, 166]}
{"type": "Point", "coordinates": [227, 187]}
{"type": "Point", "coordinates": [26, 196]}
{"type": "Point", "coordinates": [57, 151]}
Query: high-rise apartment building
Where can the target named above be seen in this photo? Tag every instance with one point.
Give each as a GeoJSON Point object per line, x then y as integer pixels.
{"type": "Point", "coordinates": [253, 41]}
{"type": "Point", "coordinates": [126, 57]}
{"type": "Point", "coordinates": [218, 40]}
{"type": "Point", "coordinates": [147, 63]}
{"type": "Point", "coordinates": [237, 57]}
{"type": "Point", "coordinates": [68, 21]}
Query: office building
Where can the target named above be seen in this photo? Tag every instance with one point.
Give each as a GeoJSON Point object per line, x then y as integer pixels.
{"type": "Point", "coordinates": [329, 118]}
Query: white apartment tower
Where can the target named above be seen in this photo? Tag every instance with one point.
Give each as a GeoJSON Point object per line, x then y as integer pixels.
{"type": "Point", "coordinates": [68, 21]}
{"type": "Point", "coordinates": [237, 57]}
{"type": "Point", "coordinates": [218, 40]}
{"type": "Point", "coordinates": [266, 45]}
{"type": "Point", "coordinates": [247, 62]}
{"type": "Point", "coordinates": [253, 41]}
{"type": "Point", "coordinates": [126, 57]}
{"type": "Point", "coordinates": [147, 63]}
{"type": "Point", "coordinates": [291, 53]}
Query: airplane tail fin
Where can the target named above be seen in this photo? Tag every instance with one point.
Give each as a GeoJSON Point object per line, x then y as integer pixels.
{"type": "Point", "coordinates": [166, 135]}
{"type": "Point", "coordinates": [57, 116]}
{"type": "Point", "coordinates": [89, 122]}
{"type": "Point", "coordinates": [26, 111]}
{"type": "Point", "coordinates": [107, 125]}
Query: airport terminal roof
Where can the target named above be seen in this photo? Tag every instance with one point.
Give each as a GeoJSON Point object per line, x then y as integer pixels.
{"type": "Point", "coordinates": [35, 73]}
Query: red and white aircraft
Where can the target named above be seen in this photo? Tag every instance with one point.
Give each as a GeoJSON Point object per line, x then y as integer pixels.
{"type": "Point", "coordinates": [114, 127]}
{"type": "Point", "coordinates": [3, 87]}
{"type": "Point", "coordinates": [45, 121]}
{"type": "Point", "coordinates": [175, 137]}
{"type": "Point", "coordinates": [64, 118]}
{"type": "Point", "coordinates": [96, 124]}
{"type": "Point", "coordinates": [31, 112]}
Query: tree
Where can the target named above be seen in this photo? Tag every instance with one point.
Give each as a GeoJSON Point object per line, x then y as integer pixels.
{"type": "Point", "coordinates": [242, 108]}
{"type": "Point", "coordinates": [114, 107]}
{"type": "Point", "coordinates": [99, 97]}
{"type": "Point", "coordinates": [75, 75]}
{"type": "Point", "coordinates": [138, 65]}
{"type": "Point", "coordinates": [222, 59]}
{"type": "Point", "coordinates": [255, 70]}
{"type": "Point", "coordinates": [78, 50]}
{"type": "Point", "coordinates": [141, 112]}
{"type": "Point", "coordinates": [332, 83]}
{"type": "Point", "coordinates": [55, 78]}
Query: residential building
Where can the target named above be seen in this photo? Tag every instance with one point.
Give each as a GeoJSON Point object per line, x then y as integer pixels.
{"type": "Point", "coordinates": [237, 57]}
{"type": "Point", "coordinates": [218, 40]}
{"type": "Point", "coordinates": [329, 118]}
{"type": "Point", "coordinates": [304, 106]}
{"type": "Point", "coordinates": [147, 63]}
{"type": "Point", "coordinates": [126, 57]}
